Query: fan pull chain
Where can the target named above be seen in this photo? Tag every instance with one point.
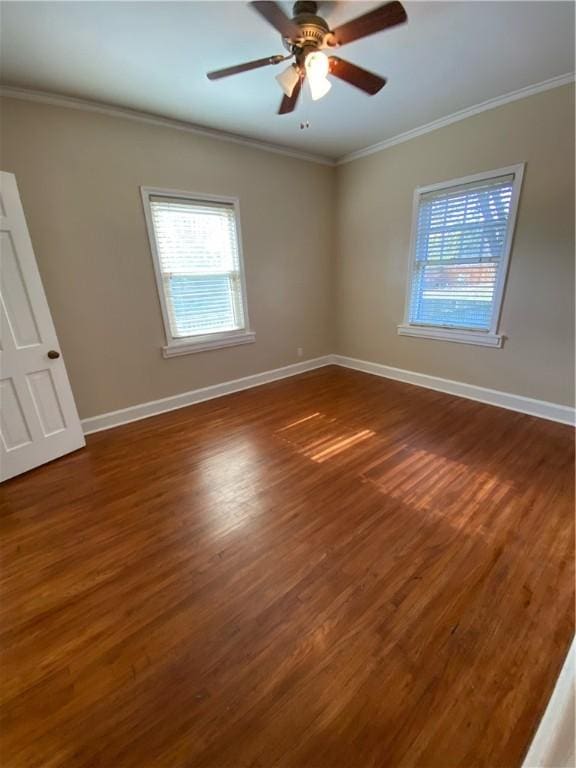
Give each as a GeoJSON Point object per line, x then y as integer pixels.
{"type": "Point", "coordinates": [305, 123]}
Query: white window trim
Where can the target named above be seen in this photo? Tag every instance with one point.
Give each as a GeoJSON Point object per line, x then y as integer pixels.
{"type": "Point", "coordinates": [491, 337]}
{"type": "Point", "coordinates": [191, 344]}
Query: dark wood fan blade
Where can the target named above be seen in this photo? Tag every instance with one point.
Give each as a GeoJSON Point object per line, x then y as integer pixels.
{"type": "Point", "coordinates": [218, 73]}
{"type": "Point", "coordinates": [357, 76]}
{"type": "Point", "coordinates": [288, 103]}
{"type": "Point", "coordinates": [275, 15]}
{"type": "Point", "coordinates": [380, 18]}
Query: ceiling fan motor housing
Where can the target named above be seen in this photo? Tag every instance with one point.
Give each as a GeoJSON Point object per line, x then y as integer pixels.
{"type": "Point", "coordinates": [313, 28]}
{"type": "Point", "coordinates": [305, 6]}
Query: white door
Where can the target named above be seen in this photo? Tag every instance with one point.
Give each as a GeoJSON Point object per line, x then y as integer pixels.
{"type": "Point", "coordinates": [38, 417]}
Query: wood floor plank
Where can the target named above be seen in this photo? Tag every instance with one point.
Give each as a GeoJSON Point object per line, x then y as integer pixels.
{"type": "Point", "coordinates": [331, 570]}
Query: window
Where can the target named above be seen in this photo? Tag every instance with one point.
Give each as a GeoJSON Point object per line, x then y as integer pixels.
{"type": "Point", "coordinates": [195, 243]}
{"type": "Point", "coordinates": [461, 239]}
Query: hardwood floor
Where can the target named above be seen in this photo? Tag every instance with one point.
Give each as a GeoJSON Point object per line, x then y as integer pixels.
{"type": "Point", "coordinates": [330, 571]}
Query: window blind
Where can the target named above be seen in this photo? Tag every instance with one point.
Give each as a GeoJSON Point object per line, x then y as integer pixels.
{"type": "Point", "coordinates": [459, 250]}
{"type": "Point", "coordinates": [199, 259]}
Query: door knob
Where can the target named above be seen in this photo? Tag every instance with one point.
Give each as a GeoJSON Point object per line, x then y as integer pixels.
{"type": "Point", "coordinates": [53, 355]}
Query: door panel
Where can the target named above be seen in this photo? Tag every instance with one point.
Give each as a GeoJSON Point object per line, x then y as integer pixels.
{"type": "Point", "coordinates": [15, 296]}
{"type": "Point", "coordinates": [46, 401]}
{"type": "Point", "coordinates": [38, 416]}
{"type": "Point", "coordinates": [13, 427]}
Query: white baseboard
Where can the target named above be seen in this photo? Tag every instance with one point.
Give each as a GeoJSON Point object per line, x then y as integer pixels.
{"type": "Point", "coordinates": [153, 408]}
{"type": "Point", "coordinates": [540, 408]}
{"type": "Point", "coordinates": [553, 744]}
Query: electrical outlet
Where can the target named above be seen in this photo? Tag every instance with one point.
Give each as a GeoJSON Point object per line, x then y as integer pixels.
{"type": "Point", "coordinates": [299, 351]}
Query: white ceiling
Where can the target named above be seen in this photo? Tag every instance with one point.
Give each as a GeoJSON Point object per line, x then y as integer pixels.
{"type": "Point", "coordinates": [152, 56]}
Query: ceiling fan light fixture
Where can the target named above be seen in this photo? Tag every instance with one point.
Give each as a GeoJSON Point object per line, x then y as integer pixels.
{"type": "Point", "coordinates": [319, 88]}
{"type": "Point", "coordinates": [317, 68]}
{"type": "Point", "coordinates": [304, 35]}
{"type": "Point", "coordinates": [288, 79]}
{"type": "Point", "coordinates": [317, 65]}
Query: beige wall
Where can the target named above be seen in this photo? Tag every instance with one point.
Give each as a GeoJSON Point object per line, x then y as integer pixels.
{"type": "Point", "coordinates": [374, 217]}
{"type": "Point", "coordinates": [79, 175]}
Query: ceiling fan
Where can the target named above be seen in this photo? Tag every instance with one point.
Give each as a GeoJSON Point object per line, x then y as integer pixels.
{"type": "Point", "coordinates": [305, 36]}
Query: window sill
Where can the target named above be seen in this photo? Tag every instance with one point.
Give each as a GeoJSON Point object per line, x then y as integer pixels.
{"type": "Point", "coordinates": [481, 338]}
{"type": "Point", "coordinates": [211, 341]}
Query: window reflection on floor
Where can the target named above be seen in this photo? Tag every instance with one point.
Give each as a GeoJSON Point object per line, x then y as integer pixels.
{"type": "Point", "coordinates": [231, 477]}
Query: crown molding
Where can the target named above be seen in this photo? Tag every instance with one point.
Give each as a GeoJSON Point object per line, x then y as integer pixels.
{"type": "Point", "coordinates": [73, 102]}
{"type": "Point", "coordinates": [523, 93]}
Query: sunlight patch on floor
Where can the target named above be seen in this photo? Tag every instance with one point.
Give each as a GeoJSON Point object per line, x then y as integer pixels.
{"type": "Point", "coordinates": [299, 421]}
{"type": "Point", "coordinates": [339, 445]}
{"type": "Point", "coordinates": [429, 482]}
{"type": "Point", "coordinates": [321, 438]}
